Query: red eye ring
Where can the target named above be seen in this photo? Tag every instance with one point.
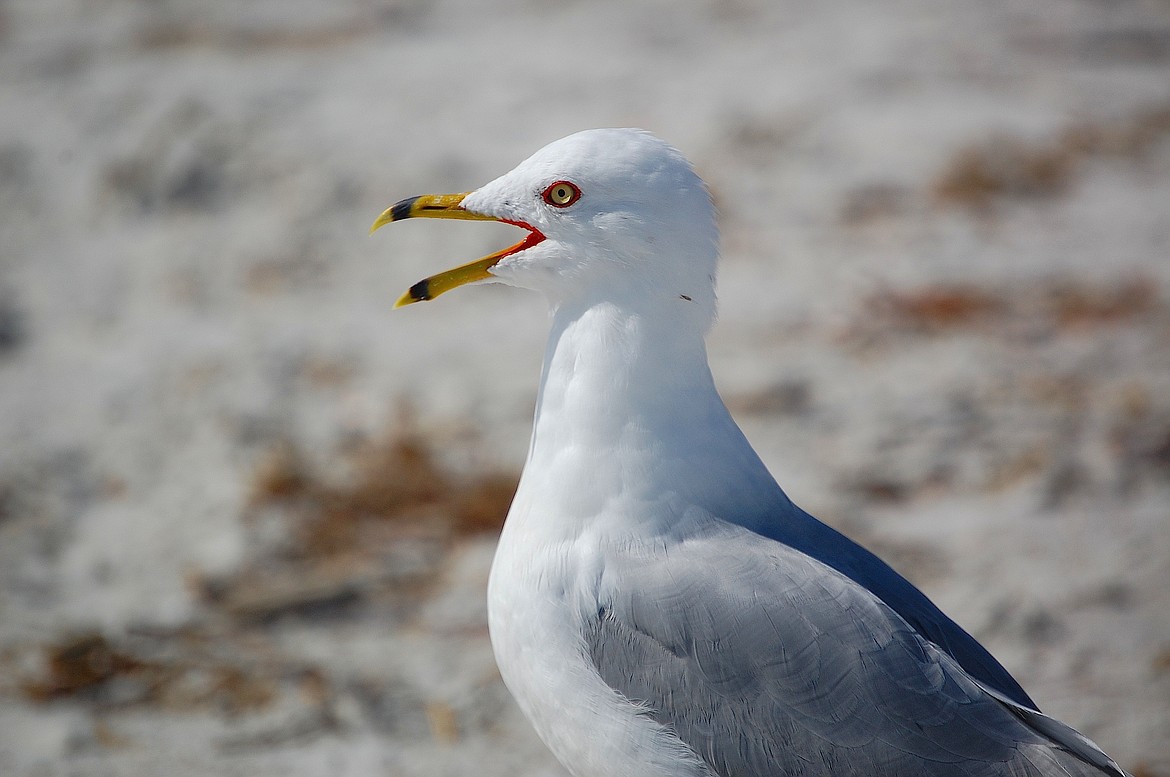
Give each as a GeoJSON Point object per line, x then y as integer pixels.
{"type": "Point", "coordinates": [561, 194]}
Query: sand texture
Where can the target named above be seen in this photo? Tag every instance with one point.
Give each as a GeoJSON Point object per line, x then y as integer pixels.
{"type": "Point", "coordinates": [247, 510]}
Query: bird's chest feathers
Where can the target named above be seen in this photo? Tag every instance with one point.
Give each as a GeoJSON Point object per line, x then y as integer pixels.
{"type": "Point", "coordinates": [540, 598]}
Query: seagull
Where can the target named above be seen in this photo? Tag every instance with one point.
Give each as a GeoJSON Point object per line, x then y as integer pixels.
{"type": "Point", "coordinates": [657, 604]}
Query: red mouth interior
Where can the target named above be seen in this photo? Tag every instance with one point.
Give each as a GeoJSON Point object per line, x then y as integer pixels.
{"type": "Point", "coordinates": [534, 237]}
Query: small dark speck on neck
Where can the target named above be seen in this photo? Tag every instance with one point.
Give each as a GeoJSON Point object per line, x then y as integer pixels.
{"type": "Point", "coordinates": [684, 296]}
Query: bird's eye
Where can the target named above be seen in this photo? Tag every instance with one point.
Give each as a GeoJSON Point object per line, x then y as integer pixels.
{"type": "Point", "coordinates": [561, 194]}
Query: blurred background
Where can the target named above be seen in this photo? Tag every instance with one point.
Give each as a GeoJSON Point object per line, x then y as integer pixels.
{"type": "Point", "coordinates": [247, 510]}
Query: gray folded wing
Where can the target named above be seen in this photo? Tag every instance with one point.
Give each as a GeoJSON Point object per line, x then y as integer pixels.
{"type": "Point", "coordinates": [768, 662]}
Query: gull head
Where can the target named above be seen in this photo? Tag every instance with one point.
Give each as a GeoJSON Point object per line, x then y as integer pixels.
{"type": "Point", "coordinates": [613, 216]}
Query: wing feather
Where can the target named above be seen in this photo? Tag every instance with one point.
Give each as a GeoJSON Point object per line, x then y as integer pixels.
{"type": "Point", "coordinates": [766, 661]}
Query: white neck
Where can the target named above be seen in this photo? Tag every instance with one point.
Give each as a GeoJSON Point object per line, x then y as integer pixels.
{"type": "Point", "coordinates": [630, 425]}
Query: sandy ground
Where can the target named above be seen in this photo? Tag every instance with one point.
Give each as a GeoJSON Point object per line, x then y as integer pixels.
{"type": "Point", "coordinates": [247, 510]}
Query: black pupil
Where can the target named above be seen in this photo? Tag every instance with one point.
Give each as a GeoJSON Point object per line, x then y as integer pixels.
{"type": "Point", "coordinates": [562, 193]}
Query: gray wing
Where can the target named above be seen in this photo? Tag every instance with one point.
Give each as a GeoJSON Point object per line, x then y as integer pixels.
{"type": "Point", "coordinates": [768, 662]}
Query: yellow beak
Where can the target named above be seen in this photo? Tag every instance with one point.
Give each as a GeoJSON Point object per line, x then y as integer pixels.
{"type": "Point", "coordinates": [449, 206]}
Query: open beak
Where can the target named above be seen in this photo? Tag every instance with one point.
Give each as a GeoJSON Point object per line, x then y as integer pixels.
{"type": "Point", "coordinates": [450, 206]}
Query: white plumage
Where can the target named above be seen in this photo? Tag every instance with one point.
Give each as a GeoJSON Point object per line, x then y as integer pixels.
{"type": "Point", "coordinates": [658, 606]}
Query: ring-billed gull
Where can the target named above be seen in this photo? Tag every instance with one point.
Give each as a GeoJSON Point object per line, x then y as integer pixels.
{"type": "Point", "coordinates": [657, 604]}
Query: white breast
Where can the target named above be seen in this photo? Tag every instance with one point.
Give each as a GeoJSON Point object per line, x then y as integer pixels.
{"type": "Point", "coordinates": [539, 596]}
